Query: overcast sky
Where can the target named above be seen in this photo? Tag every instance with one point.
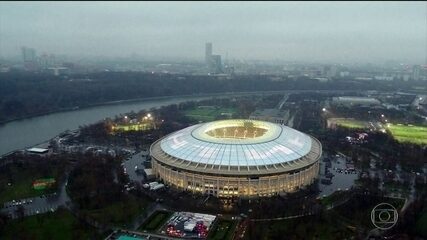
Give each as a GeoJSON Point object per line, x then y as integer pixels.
{"type": "Point", "coordinates": [311, 31]}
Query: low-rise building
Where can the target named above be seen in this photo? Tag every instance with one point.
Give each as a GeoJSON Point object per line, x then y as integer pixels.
{"type": "Point", "coordinates": [355, 101]}
{"type": "Point", "coordinates": [271, 115]}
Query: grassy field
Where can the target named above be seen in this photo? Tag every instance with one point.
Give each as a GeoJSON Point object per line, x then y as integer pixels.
{"type": "Point", "coordinates": [421, 224]}
{"type": "Point", "coordinates": [310, 227]}
{"type": "Point", "coordinates": [21, 184]}
{"type": "Point", "coordinates": [223, 229]}
{"type": "Point", "coordinates": [206, 115]}
{"type": "Point", "coordinates": [155, 221]}
{"type": "Point", "coordinates": [119, 213]}
{"type": "Point", "coordinates": [334, 197]}
{"type": "Point", "coordinates": [348, 123]}
{"type": "Point", "coordinates": [357, 211]}
{"type": "Point", "coordinates": [407, 133]}
{"type": "Point", "coordinates": [58, 225]}
{"type": "Point", "coordinates": [342, 222]}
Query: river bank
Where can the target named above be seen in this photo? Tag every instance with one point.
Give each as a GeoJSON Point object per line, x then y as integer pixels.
{"type": "Point", "coordinates": [20, 134]}
{"type": "Point", "coordinates": [117, 102]}
{"type": "Point", "coordinates": [133, 100]}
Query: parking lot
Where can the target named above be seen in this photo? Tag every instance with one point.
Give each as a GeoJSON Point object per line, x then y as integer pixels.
{"type": "Point", "coordinates": [36, 205]}
{"type": "Point", "coordinates": [336, 175]}
{"type": "Point", "coordinates": [134, 166]}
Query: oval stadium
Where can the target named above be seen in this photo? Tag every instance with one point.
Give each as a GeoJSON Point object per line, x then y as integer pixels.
{"type": "Point", "coordinates": [237, 158]}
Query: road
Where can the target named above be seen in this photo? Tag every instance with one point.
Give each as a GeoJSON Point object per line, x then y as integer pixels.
{"type": "Point", "coordinates": [284, 99]}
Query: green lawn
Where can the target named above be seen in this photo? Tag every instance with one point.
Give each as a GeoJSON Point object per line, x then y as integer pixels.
{"type": "Point", "coordinates": [334, 197]}
{"type": "Point", "coordinates": [119, 213]}
{"type": "Point", "coordinates": [406, 133]}
{"type": "Point", "coordinates": [421, 224]}
{"type": "Point", "coordinates": [21, 180]}
{"type": "Point", "coordinates": [310, 227]}
{"type": "Point", "coordinates": [394, 187]}
{"type": "Point", "coordinates": [223, 229]}
{"type": "Point", "coordinates": [350, 123]}
{"type": "Point", "coordinates": [58, 225]}
{"type": "Point", "coordinates": [342, 222]}
{"type": "Point", "coordinates": [206, 115]}
{"type": "Point", "coordinates": [155, 221]}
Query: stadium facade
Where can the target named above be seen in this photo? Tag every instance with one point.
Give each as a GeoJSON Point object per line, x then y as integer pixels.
{"type": "Point", "coordinates": [240, 158]}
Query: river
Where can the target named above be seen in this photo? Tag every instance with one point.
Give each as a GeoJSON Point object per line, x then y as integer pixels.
{"type": "Point", "coordinates": [24, 133]}
{"type": "Point", "coordinates": [27, 132]}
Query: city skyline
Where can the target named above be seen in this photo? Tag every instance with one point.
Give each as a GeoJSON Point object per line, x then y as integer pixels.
{"type": "Point", "coordinates": [213, 120]}
{"type": "Point", "coordinates": [315, 32]}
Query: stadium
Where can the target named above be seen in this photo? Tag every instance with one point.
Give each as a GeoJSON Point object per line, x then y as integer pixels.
{"type": "Point", "coordinates": [237, 158]}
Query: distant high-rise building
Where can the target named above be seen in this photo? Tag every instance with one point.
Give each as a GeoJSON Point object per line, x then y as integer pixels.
{"type": "Point", "coordinates": [44, 61]}
{"type": "Point", "coordinates": [416, 72]}
{"type": "Point", "coordinates": [208, 53]}
{"type": "Point", "coordinates": [216, 64]}
{"type": "Point", "coordinates": [213, 62]}
{"type": "Point", "coordinates": [28, 54]}
{"type": "Point", "coordinates": [29, 58]}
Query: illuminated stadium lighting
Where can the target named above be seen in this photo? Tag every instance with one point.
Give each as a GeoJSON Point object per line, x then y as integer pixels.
{"type": "Point", "coordinates": [244, 158]}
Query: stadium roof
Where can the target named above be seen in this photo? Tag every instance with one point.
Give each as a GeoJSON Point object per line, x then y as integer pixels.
{"type": "Point", "coordinates": [277, 145]}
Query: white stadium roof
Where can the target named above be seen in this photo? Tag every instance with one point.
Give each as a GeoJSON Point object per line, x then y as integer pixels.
{"type": "Point", "coordinates": [279, 144]}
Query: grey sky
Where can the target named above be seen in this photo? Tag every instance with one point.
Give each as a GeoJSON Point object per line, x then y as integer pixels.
{"type": "Point", "coordinates": [311, 31]}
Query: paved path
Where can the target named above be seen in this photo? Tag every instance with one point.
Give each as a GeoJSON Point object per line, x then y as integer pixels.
{"type": "Point", "coordinates": [282, 218]}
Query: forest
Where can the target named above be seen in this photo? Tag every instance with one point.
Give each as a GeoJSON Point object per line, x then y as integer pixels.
{"type": "Point", "coordinates": [25, 94]}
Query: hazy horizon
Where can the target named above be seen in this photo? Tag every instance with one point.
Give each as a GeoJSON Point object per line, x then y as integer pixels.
{"type": "Point", "coordinates": [309, 31]}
